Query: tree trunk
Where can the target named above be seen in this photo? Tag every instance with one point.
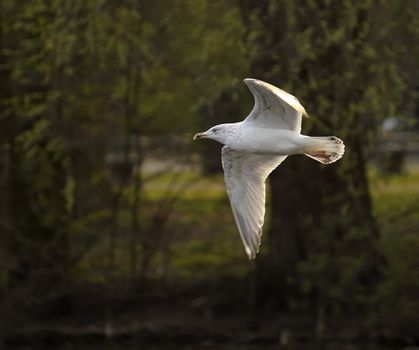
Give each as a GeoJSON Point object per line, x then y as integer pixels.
{"type": "Point", "coordinates": [321, 216]}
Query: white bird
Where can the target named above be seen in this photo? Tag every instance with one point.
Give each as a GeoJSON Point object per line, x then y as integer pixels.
{"type": "Point", "coordinates": [255, 146]}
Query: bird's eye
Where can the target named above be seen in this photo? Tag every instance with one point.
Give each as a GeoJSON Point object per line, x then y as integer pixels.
{"type": "Point", "coordinates": [215, 130]}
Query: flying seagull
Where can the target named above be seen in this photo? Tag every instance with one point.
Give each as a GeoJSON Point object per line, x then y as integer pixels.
{"type": "Point", "coordinates": [255, 146]}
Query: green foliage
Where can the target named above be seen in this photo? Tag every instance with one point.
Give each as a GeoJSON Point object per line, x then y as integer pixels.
{"type": "Point", "coordinates": [341, 61]}
{"type": "Point", "coordinates": [396, 200]}
{"type": "Point", "coordinates": [82, 83]}
{"type": "Point", "coordinates": [86, 87]}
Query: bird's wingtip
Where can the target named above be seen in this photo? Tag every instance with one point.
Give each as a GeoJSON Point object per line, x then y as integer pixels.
{"type": "Point", "coordinates": [251, 254]}
{"type": "Point", "coordinates": [250, 80]}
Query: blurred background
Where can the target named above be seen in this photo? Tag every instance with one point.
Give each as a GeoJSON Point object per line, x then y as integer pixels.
{"type": "Point", "coordinates": [115, 229]}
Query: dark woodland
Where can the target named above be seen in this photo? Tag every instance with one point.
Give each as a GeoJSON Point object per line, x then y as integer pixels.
{"type": "Point", "coordinates": [115, 228]}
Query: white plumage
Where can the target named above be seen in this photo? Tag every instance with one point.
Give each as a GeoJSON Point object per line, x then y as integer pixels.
{"type": "Point", "coordinates": [256, 146]}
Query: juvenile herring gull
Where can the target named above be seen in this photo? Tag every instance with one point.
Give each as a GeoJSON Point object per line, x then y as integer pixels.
{"type": "Point", "coordinates": [256, 146]}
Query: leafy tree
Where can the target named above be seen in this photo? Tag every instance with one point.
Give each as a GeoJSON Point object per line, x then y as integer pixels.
{"type": "Point", "coordinates": [340, 60]}
{"type": "Point", "coordinates": [83, 83]}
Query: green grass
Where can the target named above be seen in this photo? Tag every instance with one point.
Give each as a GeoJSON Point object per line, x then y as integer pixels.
{"type": "Point", "coordinates": [396, 205]}
{"type": "Point", "coordinates": [207, 243]}
{"type": "Point", "coordinates": [202, 240]}
{"type": "Point", "coordinates": [396, 202]}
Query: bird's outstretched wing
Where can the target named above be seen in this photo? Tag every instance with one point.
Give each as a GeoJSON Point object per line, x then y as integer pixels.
{"type": "Point", "coordinates": [245, 175]}
{"type": "Point", "coordinates": [274, 108]}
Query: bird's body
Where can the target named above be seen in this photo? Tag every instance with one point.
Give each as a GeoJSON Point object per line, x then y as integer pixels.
{"type": "Point", "coordinates": [256, 146]}
{"type": "Point", "coordinates": [253, 139]}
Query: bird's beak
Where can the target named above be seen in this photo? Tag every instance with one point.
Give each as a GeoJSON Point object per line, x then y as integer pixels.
{"type": "Point", "coordinates": [198, 136]}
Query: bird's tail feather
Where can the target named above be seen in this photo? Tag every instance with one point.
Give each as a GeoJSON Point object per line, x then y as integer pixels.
{"type": "Point", "coordinates": [326, 149]}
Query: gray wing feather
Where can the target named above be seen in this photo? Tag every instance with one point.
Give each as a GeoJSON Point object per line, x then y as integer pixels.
{"type": "Point", "coordinates": [274, 108]}
{"type": "Point", "coordinates": [245, 176]}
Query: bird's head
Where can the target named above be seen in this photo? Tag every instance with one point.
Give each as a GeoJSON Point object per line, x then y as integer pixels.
{"type": "Point", "coordinates": [217, 133]}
